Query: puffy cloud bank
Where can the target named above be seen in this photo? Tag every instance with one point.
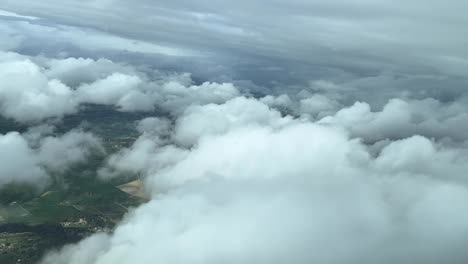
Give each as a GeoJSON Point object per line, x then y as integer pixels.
{"type": "Point", "coordinates": [29, 86]}
{"type": "Point", "coordinates": [295, 177]}
{"type": "Point", "coordinates": [30, 158]}
{"type": "Point", "coordinates": [239, 182]}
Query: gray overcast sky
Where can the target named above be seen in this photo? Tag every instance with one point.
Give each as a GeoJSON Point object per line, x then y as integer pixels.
{"type": "Point", "coordinates": [426, 33]}
{"type": "Point", "coordinates": [268, 42]}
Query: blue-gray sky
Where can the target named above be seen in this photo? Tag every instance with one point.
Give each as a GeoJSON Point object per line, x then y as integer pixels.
{"type": "Point", "coordinates": [264, 40]}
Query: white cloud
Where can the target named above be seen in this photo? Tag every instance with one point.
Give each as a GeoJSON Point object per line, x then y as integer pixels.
{"type": "Point", "coordinates": [401, 118]}
{"type": "Point", "coordinates": [30, 85]}
{"type": "Point", "coordinates": [318, 106]}
{"type": "Point", "coordinates": [208, 120]}
{"type": "Point", "coordinates": [145, 156]}
{"type": "Point", "coordinates": [299, 192]}
{"type": "Point", "coordinates": [283, 101]}
{"type": "Point", "coordinates": [76, 71]}
{"type": "Point", "coordinates": [110, 90]}
{"type": "Point", "coordinates": [29, 158]}
{"type": "Point", "coordinates": [19, 162]}
{"type": "Point", "coordinates": [176, 96]}
{"type": "Point", "coordinates": [26, 94]}
{"type": "Point", "coordinates": [57, 153]}
{"type": "Point", "coordinates": [241, 180]}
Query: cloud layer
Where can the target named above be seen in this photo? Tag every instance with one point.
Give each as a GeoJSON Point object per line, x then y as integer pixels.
{"type": "Point", "coordinates": [308, 131]}
{"type": "Point", "coordinates": [30, 85]}
{"type": "Point", "coordinates": [301, 176]}
{"type": "Point", "coordinates": [256, 187]}
{"type": "Point", "coordinates": [358, 34]}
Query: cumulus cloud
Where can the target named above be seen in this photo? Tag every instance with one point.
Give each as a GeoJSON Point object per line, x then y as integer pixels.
{"type": "Point", "coordinates": [147, 154]}
{"type": "Point", "coordinates": [57, 153]}
{"type": "Point", "coordinates": [177, 97]}
{"type": "Point", "coordinates": [254, 186]}
{"type": "Point", "coordinates": [151, 151]}
{"type": "Point", "coordinates": [109, 90]}
{"type": "Point", "coordinates": [401, 118]}
{"type": "Point", "coordinates": [30, 158]}
{"type": "Point", "coordinates": [19, 163]}
{"type": "Point", "coordinates": [208, 120]}
{"type": "Point", "coordinates": [27, 95]}
{"type": "Point", "coordinates": [297, 177]}
{"type": "Point", "coordinates": [76, 71]}
{"type": "Point", "coordinates": [318, 105]}
{"type": "Point", "coordinates": [30, 85]}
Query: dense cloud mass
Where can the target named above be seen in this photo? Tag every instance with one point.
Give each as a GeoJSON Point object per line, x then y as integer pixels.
{"type": "Point", "coordinates": [28, 88]}
{"type": "Point", "coordinates": [275, 131]}
{"type": "Point", "coordinates": [403, 118]}
{"type": "Point", "coordinates": [269, 189]}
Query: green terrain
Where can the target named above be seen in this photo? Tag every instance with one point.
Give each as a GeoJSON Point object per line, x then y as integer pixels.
{"type": "Point", "coordinates": [77, 204]}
